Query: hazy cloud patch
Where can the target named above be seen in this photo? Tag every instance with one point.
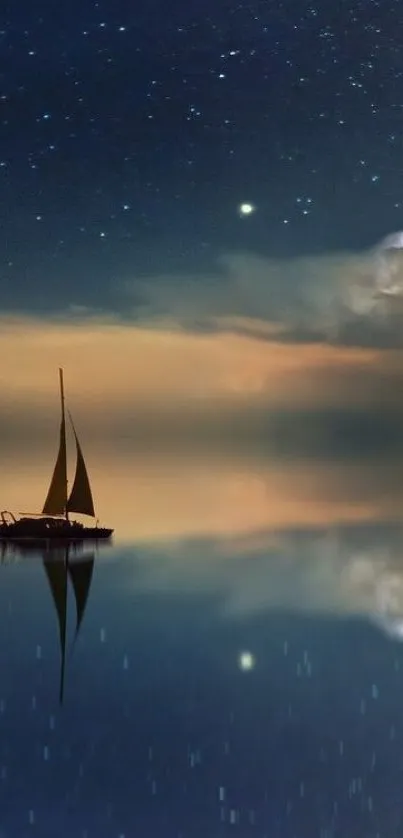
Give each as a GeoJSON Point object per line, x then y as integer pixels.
{"type": "Point", "coordinates": [347, 298]}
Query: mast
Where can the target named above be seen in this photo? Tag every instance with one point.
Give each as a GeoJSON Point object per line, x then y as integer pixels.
{"type": "Point", "coordinates": [62, 402]}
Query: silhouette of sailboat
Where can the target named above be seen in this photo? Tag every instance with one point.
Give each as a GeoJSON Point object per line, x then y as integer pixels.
{"type": "Point", "coordinates": [54, 522]}
{"type": "Point", "coordinates": [59, 570]}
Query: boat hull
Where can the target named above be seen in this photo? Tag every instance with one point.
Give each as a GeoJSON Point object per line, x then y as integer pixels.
{"type": "Point", "coordinates": [59, 531]}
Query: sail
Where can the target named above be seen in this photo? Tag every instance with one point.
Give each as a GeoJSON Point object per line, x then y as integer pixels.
{"type": "Point", "coordinates": [56, 501]}
{"type": "Point", "coordinates": [80, 573]}
{"type": "Point", "coordinates": [56, 572]}
{"type": "Point", "coordinates": [80, 499]}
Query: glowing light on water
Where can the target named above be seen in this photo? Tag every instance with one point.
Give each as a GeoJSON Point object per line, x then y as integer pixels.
{"type": "Point", "coordinates": [246, 661]}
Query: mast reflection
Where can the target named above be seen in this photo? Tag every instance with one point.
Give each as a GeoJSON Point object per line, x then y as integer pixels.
{"type": "Point", "coordinates": [63, 563]}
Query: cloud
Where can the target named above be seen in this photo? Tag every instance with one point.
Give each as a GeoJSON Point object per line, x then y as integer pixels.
{"type": "Point", "coordinates": [343, 298]}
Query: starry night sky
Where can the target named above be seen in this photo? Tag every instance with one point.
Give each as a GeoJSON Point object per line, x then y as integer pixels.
{"type": "Point", "coordinates": [130, 135]}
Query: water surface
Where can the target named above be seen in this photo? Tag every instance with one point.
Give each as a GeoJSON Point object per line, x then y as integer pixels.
{"type": "Point", "coordinates": [228, 677]}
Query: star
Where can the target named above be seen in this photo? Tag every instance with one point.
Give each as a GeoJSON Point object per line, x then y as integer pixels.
{"type": "Point", "coordinates": [246, 209]}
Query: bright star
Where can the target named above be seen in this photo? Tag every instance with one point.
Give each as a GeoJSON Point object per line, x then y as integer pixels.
{"type": "Point", "coordinates": [246, 209]}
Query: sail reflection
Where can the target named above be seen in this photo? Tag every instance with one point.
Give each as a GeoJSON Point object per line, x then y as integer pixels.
{"type": "Point", "coordinates": [60, 570]}
{"type": "Point", "coordinates": [66, 567]}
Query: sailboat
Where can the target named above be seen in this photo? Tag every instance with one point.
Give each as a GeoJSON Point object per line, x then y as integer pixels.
{"type": "Point", "coordinates": [54, 521]}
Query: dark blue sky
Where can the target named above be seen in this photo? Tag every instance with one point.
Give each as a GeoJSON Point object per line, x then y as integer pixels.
{"type": "Point", "coordinates": [129, 136]}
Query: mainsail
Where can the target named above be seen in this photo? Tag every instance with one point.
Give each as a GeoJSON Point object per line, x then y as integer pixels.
{"type": "Point", "coordinates": [56, 501]}
{"type": "Point", "coordinates": [80, 500]}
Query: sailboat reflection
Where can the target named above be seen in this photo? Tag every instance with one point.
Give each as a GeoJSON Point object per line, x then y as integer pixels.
{"type": "Point", "coordinates": [63, 565]}
{"type": "Point", "coordinates": [59, 570]}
